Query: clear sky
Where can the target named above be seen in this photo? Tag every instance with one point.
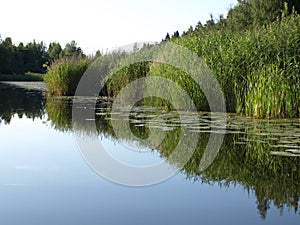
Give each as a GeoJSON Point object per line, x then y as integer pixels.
{"type": "Point", "coordinates": [103, 24]}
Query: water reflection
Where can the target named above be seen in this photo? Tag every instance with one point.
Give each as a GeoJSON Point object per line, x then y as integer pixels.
{"type": "Point", "coordinates": [260, 155]}
{"type": "Point", "coordinates": [20, 100]}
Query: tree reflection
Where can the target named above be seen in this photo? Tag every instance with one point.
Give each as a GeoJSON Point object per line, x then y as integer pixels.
{"type": "Point", "coordinates": [20, 102]}
{"type": "Point", "coordinates": [273, 179]}
{"type": "Point", "coordinates": [245, 157]}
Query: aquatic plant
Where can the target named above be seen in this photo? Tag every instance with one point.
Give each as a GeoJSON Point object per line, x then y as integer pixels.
{"type": "Point", "coordinates": [63, 75]}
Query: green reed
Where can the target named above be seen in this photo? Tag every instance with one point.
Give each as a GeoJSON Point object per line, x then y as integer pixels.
{"type": "Point", "coordinates": [63, 76]}
{"type": "Point", "coordinates": [259, 70]}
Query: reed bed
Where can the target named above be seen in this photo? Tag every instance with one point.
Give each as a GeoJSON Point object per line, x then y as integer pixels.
{"type": "Point", "coordinates": [258, 69]}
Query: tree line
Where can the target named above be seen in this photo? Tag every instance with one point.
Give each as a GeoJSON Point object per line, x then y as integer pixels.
{"type": "Point", "coordinates": [33, 57]}
{"type": "Point", "coordinates": [246, 15]}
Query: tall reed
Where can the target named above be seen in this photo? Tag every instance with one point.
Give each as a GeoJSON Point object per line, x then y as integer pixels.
{"type": "Point", "coordinates": [63, 76]}
{"type": "Point", "coordinates": [259, 70]}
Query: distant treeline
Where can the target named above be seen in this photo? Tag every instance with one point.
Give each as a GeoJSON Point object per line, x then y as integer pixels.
{"type": "Point", "coordinates": [33, 57]}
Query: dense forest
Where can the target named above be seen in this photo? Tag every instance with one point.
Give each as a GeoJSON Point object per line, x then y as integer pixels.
{"type": "Point", "coordinates": [33, 57]}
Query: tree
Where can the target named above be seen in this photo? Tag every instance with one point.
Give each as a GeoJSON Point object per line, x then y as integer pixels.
{"type": "Point", "coordinates": [176, 34]}
{"type": "Point", "coordinates": [72, 51]}
{"type": "Point", "coordinates": [97, 54]}
{"type": "Point", "coordinates": [252, 13]}
{"type": "Point", "coordinates": [167, 37]}
{"type": "Point", "coordinates": [199, 26]}
{"type": "Point", "coordinates": [210, 23]}
{"type": "Point", "coordinates": [7, 43]}
{"type": "Point", "coordinates": [265, 11]}
{"type": "Point", "coordinates": [6, 56]}
{"type": "Point", "coordinates": [34, 57]}
{"type": "Point", "coordinates": [135, 47]}
{"type": "Point", "coordinates": [240, 17]}
{"type": "Point", "coordinates": [183, 33]}
{"type": "Point", "coordinates": [54, 51]}
{"type": "Point", "coordinates": [190, 30]}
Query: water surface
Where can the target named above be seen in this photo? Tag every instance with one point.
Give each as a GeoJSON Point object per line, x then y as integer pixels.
{"type": "Point", "coordinates": [255, 178]}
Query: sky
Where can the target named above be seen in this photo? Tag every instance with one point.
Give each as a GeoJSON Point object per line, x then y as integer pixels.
{"type": "Point", "coordinates": [103, 24]}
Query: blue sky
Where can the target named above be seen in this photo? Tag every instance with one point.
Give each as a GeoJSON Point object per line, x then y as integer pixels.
{"type": "Point", "coordinates": [103, 24]}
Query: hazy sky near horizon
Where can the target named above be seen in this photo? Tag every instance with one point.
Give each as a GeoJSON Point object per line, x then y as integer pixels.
{"type": "Point", "coordinates": [103, 24]}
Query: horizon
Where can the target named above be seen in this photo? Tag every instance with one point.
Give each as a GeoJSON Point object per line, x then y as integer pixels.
{"type": "Point", "coordinates": [101, 25]}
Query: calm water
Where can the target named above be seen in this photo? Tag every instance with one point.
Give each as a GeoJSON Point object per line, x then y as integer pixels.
{"type": "Point", "coordinates": [254, 179]}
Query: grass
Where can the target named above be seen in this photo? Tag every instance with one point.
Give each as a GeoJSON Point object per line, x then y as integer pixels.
{"type": "Point", "coordinates": [63, 76]}
{"type": "Point", "coordinates": [258, 70]}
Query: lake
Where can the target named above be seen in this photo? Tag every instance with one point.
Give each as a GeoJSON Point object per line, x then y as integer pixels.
{"type": "Point", "coordinates": [47, 178]}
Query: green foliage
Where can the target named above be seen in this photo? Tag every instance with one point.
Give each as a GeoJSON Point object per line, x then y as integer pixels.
{"type": "Point", "coordinates": [33, 56]}
{"type": "Point", "coordinates": [254, 54]}
{"type": "Point", "coordinates": [253, 13]}
{"type": "Point", "coordinates": [123, 77]}
{"type": "Point", "coordinates": [63, 76]}
{"type": "Point", "coordinates": [59, 112]}
{"type": "Point", "coordinates": [71, 51]}
{"type": "Point", "coordinates": [181, 79]}
{"type": "Point", "coordinates": [10, 58]}
{"type": "Point", "coordinates": [54, 51]}
{"type": "Point", "coordinates": [258, 69]}
{"type": "Point", "coordinates": [16, 101]}
{"type": "Point", "coordinates": [167, 37]}
{"type": "Point", "coordinates": [20, 59]}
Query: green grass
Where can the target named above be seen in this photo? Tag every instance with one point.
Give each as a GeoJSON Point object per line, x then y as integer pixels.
{"type": "Point", "coordinates": [22, 77]}
{"type": "Point", "coordinates": [258, 70]}
{"type": "Point", "coordinates": [63, 76]}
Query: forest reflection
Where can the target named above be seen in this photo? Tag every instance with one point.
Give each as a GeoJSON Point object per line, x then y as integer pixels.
{"type": "Point", "coordinates": [247, 156]}
{"type": "Point", "coordinates": [260, 155]}
{"type": "Point", "coordinates": [21, 102]}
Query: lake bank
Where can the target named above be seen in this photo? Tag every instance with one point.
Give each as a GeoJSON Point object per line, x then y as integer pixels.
{"type": "Point", "coordinates": [21, 77]}
{"type": "Point", "coordinates": [258, 69]}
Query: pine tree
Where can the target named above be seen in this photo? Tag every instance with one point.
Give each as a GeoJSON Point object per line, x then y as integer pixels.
{"type": "Point", "coordinates": [167, 37]}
